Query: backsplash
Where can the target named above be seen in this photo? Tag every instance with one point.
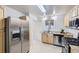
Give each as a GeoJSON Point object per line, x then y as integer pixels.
{"type": "Point", "coordinates": [73, 31]}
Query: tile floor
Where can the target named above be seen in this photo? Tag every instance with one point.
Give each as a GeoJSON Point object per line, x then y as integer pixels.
{"type": "Point", "coordinates": [36, 46]}
{"type": "Point", "coordinates": [18, 48]}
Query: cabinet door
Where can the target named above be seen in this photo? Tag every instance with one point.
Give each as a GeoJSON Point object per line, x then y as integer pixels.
{"type": "Point", "coordinates": [1, 41]}
{"type": "Point", "coordinates": [1, 13]}
{"type": "Point", "coordinates": [44, 37]}
{"type": "Point", "coordinates": [1, 18]}
{"type": "Point", "coordinates": [50, 38]}
{"type": "Point", "coordinates": [66, 21]}
{"type": "Point", "coordinates": [78, 10]}
{"type": "Point", "coordinates": [74, 11]}
{"type": "Point", "coordinates": [1, 24]}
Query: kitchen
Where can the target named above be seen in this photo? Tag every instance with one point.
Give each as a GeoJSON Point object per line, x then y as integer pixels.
{"type": "Point", "coordinates": [49, 28]}
{"type": "Point", "coordinates": [42, 34]}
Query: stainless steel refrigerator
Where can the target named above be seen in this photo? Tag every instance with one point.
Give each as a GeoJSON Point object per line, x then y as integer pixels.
{"type": "Point", "coordinates": [17, 35]}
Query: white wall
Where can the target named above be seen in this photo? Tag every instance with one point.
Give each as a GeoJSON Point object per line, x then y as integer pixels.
{"type": "Point", "coordinates": [35, 27]}
{"type": "Point", "coordinates": [73, 31]}
{"type": "Point", "coordinates": [58, 24]}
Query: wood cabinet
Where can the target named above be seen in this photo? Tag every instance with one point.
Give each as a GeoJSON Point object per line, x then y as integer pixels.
{"type": "Point", "coordinates": [1, 37]}
{"type": "Point", "coordinates": [44, 37]}
{"type": "Point", "coordinates": [66, 21]}
{"type": "Point", "coordinates": [74, 49]}
{"type": "Point", "coordinates": [74, 12]}
{"type": "Point", "coordinates": [78, 10]}
{"type": "Point", "coordinates": [1, 18]}
{"type": "Point", "coordinates": [2, 41]}
{"type": "Point", "coordinates": [2, 32]}
{"type": "Point", "coordinates": [47, 38]}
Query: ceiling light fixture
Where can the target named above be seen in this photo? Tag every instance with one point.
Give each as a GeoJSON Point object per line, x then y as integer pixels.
{"type": "Point", "coordinates": [42, 8]}
{"type": "Point", "coordinates": [54, 17]}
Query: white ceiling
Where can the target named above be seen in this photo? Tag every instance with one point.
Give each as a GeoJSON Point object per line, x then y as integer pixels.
{"type": "Point", "coordinates": [22, 8]}
{"type": "Point", "coordinates": [59, 9]}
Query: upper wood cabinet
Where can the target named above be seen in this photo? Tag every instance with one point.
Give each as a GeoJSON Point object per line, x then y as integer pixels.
{"type": "Point", "coordinates": [66, 20]}
{"type": "Point", "coordinates": [74, 12]}
{"type": "Point", "coordinates": [1, 18]}
{"type": "Point", "coordinates": [78, 10]}
{"type": "Point", "coordinates": [1, 13]}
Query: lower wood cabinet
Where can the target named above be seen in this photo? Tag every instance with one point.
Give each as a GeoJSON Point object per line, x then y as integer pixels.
{"type": "Point", "coordinates": [2, 43]}
{"type": "Point", "coordinates": [74, 49]}
{"type": "Point", "coordinates": [1, 37]}
{"type": "Point", "coordinates": [47, 38]}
